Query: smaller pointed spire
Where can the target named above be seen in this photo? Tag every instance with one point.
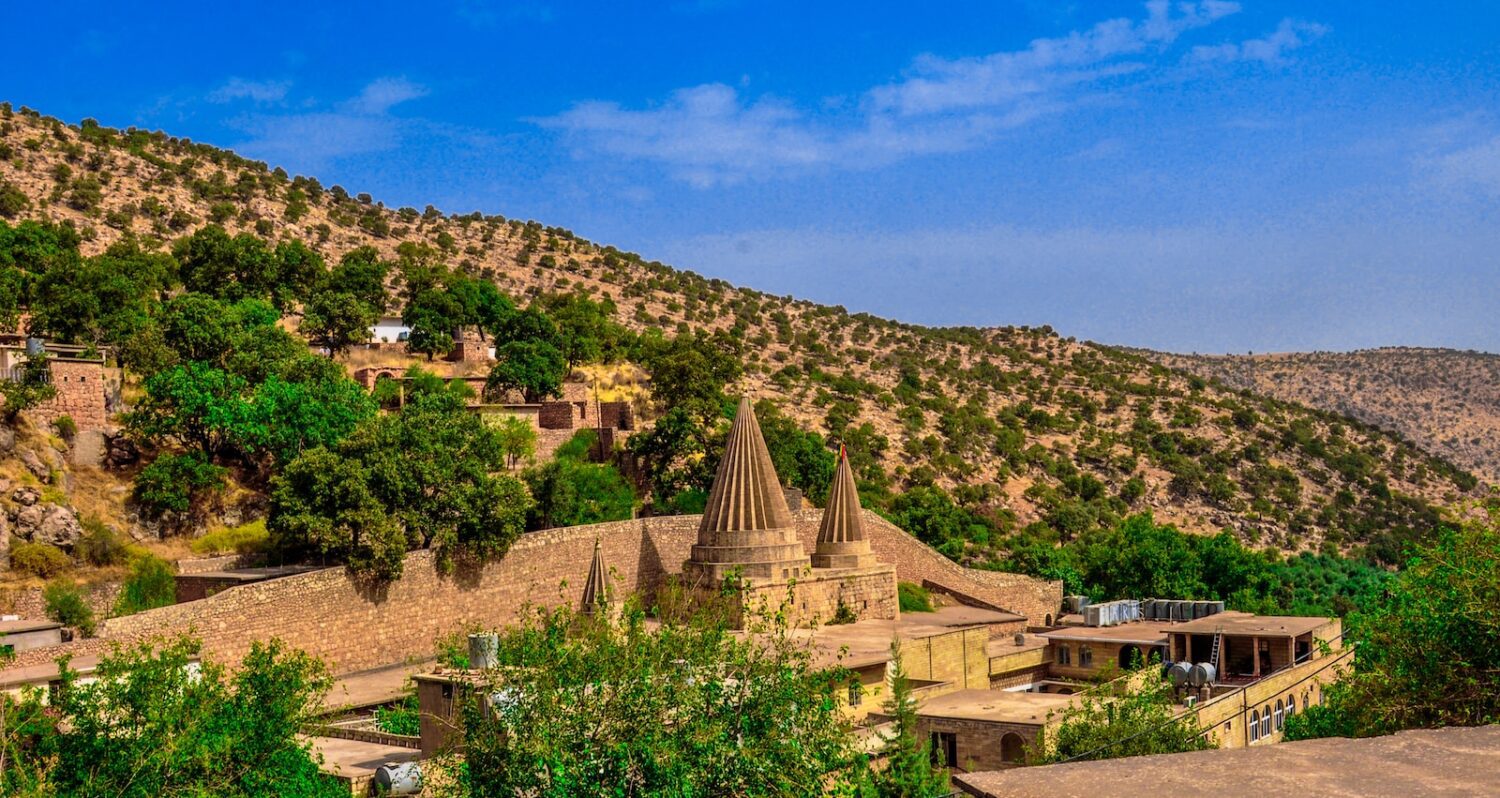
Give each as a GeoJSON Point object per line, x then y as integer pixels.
{"type": "Point", "coordinates": [841, 535]}
{"type": "Point", "coordinates": [596, 590]}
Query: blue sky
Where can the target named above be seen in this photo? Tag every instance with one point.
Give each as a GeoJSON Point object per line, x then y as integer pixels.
{"type": "Point", "coordinates": [1204, 176]}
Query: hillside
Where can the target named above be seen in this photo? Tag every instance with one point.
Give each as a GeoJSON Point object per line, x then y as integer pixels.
{"type": "Point", "coordinates": [1021, 424]}
{"type": "Point", "coordinates": [1444, 400]}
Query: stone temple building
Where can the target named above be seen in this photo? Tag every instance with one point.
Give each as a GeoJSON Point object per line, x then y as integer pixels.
{"type": "Point", "coordinates": [747, 536]}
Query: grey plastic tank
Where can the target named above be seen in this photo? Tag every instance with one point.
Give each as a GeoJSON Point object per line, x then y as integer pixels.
{"type": "Point", "coordinates": [1202, 674]}
{"type": "Point", "coordinates": [1148, 609]}
{"type": "Point", "coordinates": [1200, 609]}
{"type": "Point", "coordinates": [398, 778]}
{"type": "Point", "coordinates": [1216, 607]}
{"type": "Point", "coordinates": [1178, 673]}
{"type": "Point", "coordinates": [483, 650]}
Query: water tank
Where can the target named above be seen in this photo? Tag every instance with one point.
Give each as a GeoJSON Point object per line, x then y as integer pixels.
{"type": "Point", "coordinates": [483, 650]}
{"type": "Point", "coordinates": [34, 347]}
{"type": "Point", "coordinates": [1184, 610]}
{"type": "Point", "coordinates": [1200, 609]}
{"type": "Point", "coordinates": [1215, 607]}
{"type": "Point", "coordinates": [1132, 610]}
{"type": "Point", "coordinates": [1202, 674]}
{"type": "Point", "coordinates": [1178, 672]}
{"type": "Point", "coordinates": [1092, 614]}
{"type": "Point", "coordinates": [398, 778]}
{"type": "Point", "coordinates": [1148, 609]}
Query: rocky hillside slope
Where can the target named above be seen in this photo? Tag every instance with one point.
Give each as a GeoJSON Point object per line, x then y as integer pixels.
{"type": "Point", "coordinates": [1022, 424]}
{"type": "Point", "coordinates": [1444, 400]}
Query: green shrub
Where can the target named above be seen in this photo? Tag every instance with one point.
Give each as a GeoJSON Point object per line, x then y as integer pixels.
{"type": "Point", "coordinates": [39, 559]}
{"type": "Point", "coordinates": [913, 597]}
{"type": "Point", "coordinates": [403, 718]}
{"type": "Point", "coordinates": [66, 427]}
{"type": "Point", "coordinates": [100, 545]}
{"type": "Point", "coordinates": [152, 583]}
{"type": "Point", "coordinates": [176, 482]}
{"type": "Point", "coordinates": [249, 538]}
{"type": "Point", "coordinates": [65, 604]}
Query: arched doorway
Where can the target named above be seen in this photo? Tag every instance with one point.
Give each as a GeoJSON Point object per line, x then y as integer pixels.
{"type": "Point", "coordinates": [1013, 748]}
{"type": "Point", "coordinates": [1130, 657]}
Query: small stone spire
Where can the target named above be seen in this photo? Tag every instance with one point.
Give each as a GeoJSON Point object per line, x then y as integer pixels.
{"type": "Point", "coordinates": [596, 590]}
{"type": "Point", "coordinates": [841, 535]}
{"type": "Point", "coordinates": [746, 525]}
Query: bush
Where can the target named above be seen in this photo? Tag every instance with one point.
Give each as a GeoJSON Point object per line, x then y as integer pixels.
{"type": "Point", "coordinates": [66, 427]}
{"type": "Point", "coordinates": [152, 583]}
{"type": "Point", "coordinates": [403, 718]}
{"type": "Point", "coordinates": [39, 559]}
{"type": "Point", "coordinates": [66, 605]}
{"type": "Point", "coordinates": [176, 482]}
{"type": "Point", "coordinates": [100, 545]}
{"type": "Point", "coordinates": [250, 538]}
{"type": "Point", "coordinates": [913, 597]}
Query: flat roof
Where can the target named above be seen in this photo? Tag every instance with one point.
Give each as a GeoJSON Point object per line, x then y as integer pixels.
{"type": "Point", "coordinates": [249, 575]}
{"type": "Point", "coordinates": [25, 625]}
{"type": "Point", "coordinates": [998, 706]}
{"type": "Point", "coordinates": [1151, 633]}
{"type": "Point", "coordinates": [1005, 645]}
{"type": "Point", "coordinates": [1243, 623]}
{"type": "Point", "coordinates": [869, 642]}
{"type": "Point", "coordinates": [355, 759]}
{"type": "Point", "coordinates": [44, 672]}
{"type": "Point", "coordinates": [1453, 761]}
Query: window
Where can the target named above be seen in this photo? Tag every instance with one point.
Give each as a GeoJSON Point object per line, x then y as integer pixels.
{"type": "Point", "coordinates": [1064, 655]}
{"type": "Point", "coordinates": [1254, 727]}
{"type": "Point", "coordinates": [856, 694]}
{"type": "Point", "coordinates": [1085, 657]}
{"type": "Point", "coordinates": [1291, 705]}
{"type": "Point", "coordinates": [945, 749]}
{"type": "Point", "coordinates": [1280, 713]}
{"type": "Point", "coordinates": [1012, 748]}
{"type": "Point", "coordinates": [1048, 620]}
{"type": "Point", "coordinates": [1265, 721]}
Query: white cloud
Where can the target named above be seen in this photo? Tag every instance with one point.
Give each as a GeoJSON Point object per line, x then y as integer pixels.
{"type": "Point", "coordinates": [713, 133]}
{"type": "Point", "coordinates": [1471, 166]}
{"type": "Point", "coordinates": [359, 125]}
{"type": "Point", "coordinates": [260, 91]}
{"type": "Point", "coordinates": [1270, 49]}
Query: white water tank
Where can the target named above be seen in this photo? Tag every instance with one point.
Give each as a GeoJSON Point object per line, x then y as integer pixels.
{"type": "Point", "coordinates": [398, 778]}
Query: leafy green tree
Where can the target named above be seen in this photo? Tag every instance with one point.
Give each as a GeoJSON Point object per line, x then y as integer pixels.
{"type": "Point", "coordinates": [64, 602]}
{"type": "Point", "coordinates": [585, 328]}
{"type": "Point", "coordinates": [535, 368]}
{"type": "Point", "coordinates": [195, 406]}
{"type": "Point", "coordinates": [151, 583]}
{"type": "Point", "coordinates": [362, 273]}
{"type": "Point", "coordinates": [287, 417]}
{"type": "Point", "coordinates": [151, 725]}
{"type": "Point", "coordinates": [570, 491]}
{"type": "Point", "coordinates": [196, 327]}
{"type": "Point", "coordinates": [299, 270]}
{"type": "Point", "coordinates": [322, 506]}
{"type": "Point", "coordinates": [177, 482]}
{"type": "Point", "coordinates": [484, 306]}
{"type": "Point", "coordinates": [433, 316]}
{"type": "Point", "coordinates": [211, 262]}
{"type": "Point", "coordinates": [105, 299]}
{"type": "Point", "coordinates": [909, 770]}
{"type": "Point", "coordinates": [1425, 649]}
{"type": "Point", "coordinates": [517, 440]}
{"type": "Point", "coordinates": [1139, 720]}
{"type": "Point", "coordinates": [337, 320]}
{"type": "Point", "coordinates": [12, 200]}
{"type": "Point", "coordinates": [597, 706]}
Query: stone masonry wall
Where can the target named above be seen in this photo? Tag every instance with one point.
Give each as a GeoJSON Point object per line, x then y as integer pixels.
{"type": "Point", "coordinates": [80, 395]}
{"type": "Point", "coordinates": [328, 614]}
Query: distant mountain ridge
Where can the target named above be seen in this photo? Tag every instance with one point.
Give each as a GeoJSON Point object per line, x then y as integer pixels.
{"type": "Point", "coordinates": [1445, 400]}
{"type": "Point", "coordinates": [1020, 424]}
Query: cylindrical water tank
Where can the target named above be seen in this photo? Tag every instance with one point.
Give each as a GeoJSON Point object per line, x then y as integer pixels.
{"type": "Point", "coordinates": [1215, 607]}
{"type": "Point", "coordinates": [1202, 674]}
{"type": "Point", "coordinates": [1184, 610]}
{"type": "Point", "coordinates": [34, 347]}
{"type": "Point", "coordinates": [398, 778]}
{"type": "Point", "coordinates": [1200, 609]}
{"type": "Point", "coordinates": [1178, 673]}
{"type": "Point", "coordinates": [1148, 609]}
{"type": "Point", "coordinates": [1020, 638]}
{"type": "Point", "coordinates": [483, 650]}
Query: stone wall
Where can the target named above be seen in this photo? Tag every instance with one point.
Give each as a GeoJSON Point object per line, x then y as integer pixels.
{"type": "Point", "coordinates": [80, 395]}
{"type": "Point", "coordinates": [616, 415]}
{"type": "Point", "coordinates": [330, 615]}
{"type": "Point", "coordinates": [556, 415]}
{"type": "Point", "coordinates": [868, 593]}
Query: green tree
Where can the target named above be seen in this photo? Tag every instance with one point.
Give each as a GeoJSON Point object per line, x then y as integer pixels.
{"type": "Point", "coordinates": [337, 320]}
{"type": "Point", "coordinates": [585, 328]}
{"type": "Point", "coordinates": [361, 273]}
{"type": "Point", "coordinates": [1137, 720]}
{"type": "Point", "coordinates": [322, 506]}
{"type": "Point", "coordinates": [597, 706]}
{"type": "Point", "coordinates": [299, 270]}
{"type": "Point", "coordinates": [177, 483]}
{"type": "Point", "coordinates": [211, 262]}
{"type": "Point", "coordinates": [909, 770]}
{"type": "Point", "coordinates": [151, 725]}
{"type": "Point", "coordinates": [64, 602]}
{"type": "Point", "coordinates": [151, 583]}
{"type": "Point", "coordinates": [535, 368]}
{"type": "Point", "coordinates": [1425, 649]}
{"type": "Point", "coordinates": [570, 491]}
{"type": "Point", "coordinates": [194, 405]}
{"type": "Point", "coordinates": [433, 316]}
{"type": "Point", "coordinates": [517, 440]}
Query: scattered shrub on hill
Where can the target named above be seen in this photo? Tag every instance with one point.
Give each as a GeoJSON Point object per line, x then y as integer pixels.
{"type": "Point", "coordinates": [12, 200]}
{"type": "Point", "coordinates": [64, 603]}
{"type": "Point", "coordinates": [913, 597]}
{"type": "Point", "coordinates": [151, 583]}
{"type": "Point", "coordinates": [100, 544]}
{"type": "Point", "coordinates": [247, 538]}
{"type": "Point", "coordinates": [66, 427]}
{"type": "Point", "coordinates": [39, 559]}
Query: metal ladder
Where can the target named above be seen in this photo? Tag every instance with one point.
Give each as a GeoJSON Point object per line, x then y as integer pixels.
{"type": "Point", "coordinates": [1213, 654]}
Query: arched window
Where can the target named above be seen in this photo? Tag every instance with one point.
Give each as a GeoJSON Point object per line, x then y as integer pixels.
{"type": "Point", "coordinates": [1265, 721]}
{"type": "Point", "coordinates": [1291, 705]}
{"type": "Point", "coordinates": [1048, 622]}
{"type": "Point", "coordinates": [1280, 713]}
{"type": "Point", "coordinates": [1254, 727]}
{"type": "Point", "coordinates": [1064, 655]}
{"type": "Point", "coordinates": [1085, 657]}
{"type": "Point", "coordinates": [1012, 748]}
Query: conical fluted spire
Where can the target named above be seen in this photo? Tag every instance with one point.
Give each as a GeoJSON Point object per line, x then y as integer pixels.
{"type": "Point", "coordinates": [841, 535]}
{"type": "Point", "coordinates": [746, 524]}
{"type": "Point", "coordinates": [596, 589]}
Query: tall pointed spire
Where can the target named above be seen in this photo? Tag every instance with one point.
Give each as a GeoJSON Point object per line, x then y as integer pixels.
{"type": "Point", "coordinates": [841, 535]}
{"type": "Point", "coordinates": [746, 524]}
{"type": "Point", "coordinates": [596, 591]}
